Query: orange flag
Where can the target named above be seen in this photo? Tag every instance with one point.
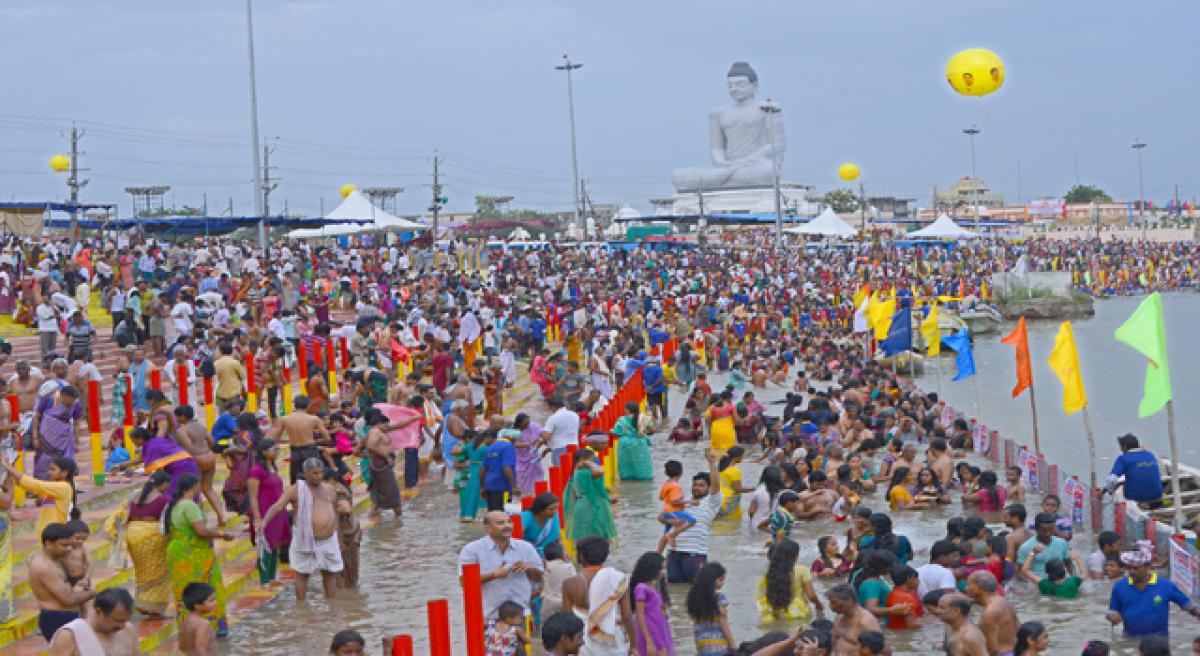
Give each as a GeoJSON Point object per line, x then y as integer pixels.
{"type": "Point", "coordinates": [1020, 339]}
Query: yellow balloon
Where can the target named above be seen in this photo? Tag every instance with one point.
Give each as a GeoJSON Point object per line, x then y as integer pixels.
{"type": "Point", "coordinates": [60, 163]}
{"type": "Point", "coordinates": [348, 189]}
{"type": "Point", "coordinates": [975, 72]}
{"type": "Point", "coordinates": [848, 171]}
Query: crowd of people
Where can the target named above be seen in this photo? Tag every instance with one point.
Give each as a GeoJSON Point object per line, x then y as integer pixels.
{"type": "Point", "coordinates": [430, 351]}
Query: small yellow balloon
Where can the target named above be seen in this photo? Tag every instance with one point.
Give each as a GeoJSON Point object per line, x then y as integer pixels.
{"type": "Point", "coordinates": [848, 171]}
{"type": "Point", "coordinates": [348, 189]}
{"type": "Point", "coordinates": [975, 72]}
{"type": "Point", "coordinates": [60, 163]}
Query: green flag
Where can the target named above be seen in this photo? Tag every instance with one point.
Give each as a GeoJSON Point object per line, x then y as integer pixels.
{"type": "Point", "coordinates": [1144, 332]}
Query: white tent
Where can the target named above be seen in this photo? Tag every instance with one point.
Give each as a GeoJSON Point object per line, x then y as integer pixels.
{"type": "Point", "coordinates": [357, 206]}
{"type": "Point", "coordinates": [943, 228]}
{"type": "Point", "coordinates": [827, 224]}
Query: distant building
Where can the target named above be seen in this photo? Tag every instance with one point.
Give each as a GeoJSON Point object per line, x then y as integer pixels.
{"type": "Point", "coordinates": [968, 192]}
{"type": "Point", "coordinates": [891, 207]}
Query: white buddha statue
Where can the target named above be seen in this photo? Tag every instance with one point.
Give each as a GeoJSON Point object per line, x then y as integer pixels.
{"type": "Point", "coordinates": [746, 142]}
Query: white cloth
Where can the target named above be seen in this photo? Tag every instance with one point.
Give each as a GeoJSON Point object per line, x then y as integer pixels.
{"type": "Point", "coordinates": [563, 427]}
{"type": "Point", "coordinates": [932, 577]}
{"type": "Point", "coordinates": [469, 328]}
{"type": "Point", "coordinates": [324, 556]}
{"type": "Point", "coordinates": [604, 634]}
{"type": "Point", "coordinates": [87, 643]}
{"type": "Point", "coordinates": [302, 535]}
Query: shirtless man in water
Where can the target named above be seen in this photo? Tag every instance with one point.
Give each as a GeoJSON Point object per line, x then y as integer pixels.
{"type": "Point", "coordinates": [301, 429]}
{"type": "Point", "coordinates": [108, 627]}
{"type": "Point", "coordinates": [852, 620]}
{"type": "Point", "coordinates": [59, 601]}
{"type": "Point", "coordinates": [962, 637]}
{"type": "Point", "coordinates": [316, 517]}
{"type": "Point", "coordinates": [1014, 518]}
{"type": "Point", "coordinates": [999, 621]}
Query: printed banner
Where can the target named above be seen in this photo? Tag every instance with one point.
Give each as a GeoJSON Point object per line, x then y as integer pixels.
{"type": "Point", "coordinates": [1028, 462]}
{"type": "Point", "coordinates": [1073, 493]}
{"type": "Point", "coordinates": [979, 436]}
{"type": "Point", "coordinates": [1184, 567]}
{"type": "Point", "coordinates": [947, 415]}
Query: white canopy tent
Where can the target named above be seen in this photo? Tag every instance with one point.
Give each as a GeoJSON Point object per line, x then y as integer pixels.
{"type": "Point", "coordinates": [357, 206]}
{"type": "Point", "coordinates": [827, 224]}
{"type": "Point", "coordinates": [943, 228]}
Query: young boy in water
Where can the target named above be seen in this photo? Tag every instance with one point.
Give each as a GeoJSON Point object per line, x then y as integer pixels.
{"type": "Point", "coordinates": [674, 518]}
{"type": "Point", "coordinates": [77, 563]}
{"type": "Point", "coordinates": [196, 635]}
{"type": "Point", "coordinates": [1014, 492]}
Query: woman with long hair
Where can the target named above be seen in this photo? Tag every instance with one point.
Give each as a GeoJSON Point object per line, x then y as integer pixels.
{"type": "Point", "coordinates": [239, 456]}
{"type": "Point", "coordinates": [190, 555]}
{"type": "Point", "coordinates": [59, 490]}
{"type": "Point", "coordinates": [860, 529]}
{"type": "Point", "coordinates": [989, 496]}
{"type": "Point", "coordinates": [732, 488]}
{"type": "Point", "coordinates": [540, 522]}
{"type": "Point", "coordinates": [882, 538]}
{"type": "Point", "coordinates": [468, 457]}
{"type": "Point", "coordinates": [719, 417]}
{"type": "Point", "coordinates": [785, 591]}
{"type": "Point", "coordinates": [762, 504]}
{"type": "Point", "coordinates": [708, 608]}
{"type": "Point", "coordinates": [831, 562]}
{"type": "Point", "coordinates": [529, 458]}
{"type": "Point", "coordinates": [586, 506]}
{"type": "Point", "coordinates": [147, 545]}
{"type": "Point", "coordinates": [872, 590]}
{"type": "Point", "coordinates": [650, 599]}
{"type": "Point", "coordinates": [264, 487]}
{"type": "Point", "coordinates": [928, 488]}
{"type": "Point", "coordinates": [1032, 639]}
{"type": "Point", "coordinates": [899, 494]}
{"type": "Point", "coordinates": [633, 447]}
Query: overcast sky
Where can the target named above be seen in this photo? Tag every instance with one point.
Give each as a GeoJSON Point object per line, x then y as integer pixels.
{"type": "Point", "coordinates": [363, 91]}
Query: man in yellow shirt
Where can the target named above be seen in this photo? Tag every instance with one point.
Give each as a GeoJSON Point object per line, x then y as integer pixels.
{"type": "Point", "coordinates": [231, 375]}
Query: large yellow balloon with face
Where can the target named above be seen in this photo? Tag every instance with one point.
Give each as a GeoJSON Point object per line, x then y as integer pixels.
{"type": "Point", "coordinates": [848, 171]}
{"type": "Point", "coordinates": [60, 163]}
{"type": "Point", "coordinates": [975, 72]}
{"type": "Point", "coordinates": [348, 189]}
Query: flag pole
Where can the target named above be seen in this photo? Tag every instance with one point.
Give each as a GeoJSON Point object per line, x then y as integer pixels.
{"type": "Point", "coordinates": [1037, 443]}
{"type": "Point", "coordinates": [1178, 516]}
{"type": "Point", "coordinates": [1091, 437]}
{"type": "Point", "coordinates": [975, 379]}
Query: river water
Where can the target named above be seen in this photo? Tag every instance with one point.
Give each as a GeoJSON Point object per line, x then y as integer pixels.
{"type": "Point", "coordinates": [403, 567]}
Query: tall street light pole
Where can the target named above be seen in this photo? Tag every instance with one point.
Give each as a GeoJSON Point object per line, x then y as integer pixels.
{"type": "Point", "coordinates": [971, 132]}
{"type": "Point", "coordinates": [1138, 145]}
{"type": "Point", "coordinates": [259, 209]}
{"type": "Point", "coordinates": [771, 112]}
{"type": "Point", "coordinates": [568, 66]}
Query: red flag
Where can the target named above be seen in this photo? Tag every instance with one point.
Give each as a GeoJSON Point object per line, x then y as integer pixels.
{"type": "Point", "coordinates": [1020, 339]}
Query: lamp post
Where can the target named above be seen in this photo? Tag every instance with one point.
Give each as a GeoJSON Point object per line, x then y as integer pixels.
{"type": "Point", "coordinates": [971, 132]}
{"type": "Point", "coordinates": [258, 173]}
{"type": "Point", "coordinates": [568, 66]}
{"type": "Point", "coordinates": [1138, 145]}
{"type": "Point", "coordinates": [771, 112]}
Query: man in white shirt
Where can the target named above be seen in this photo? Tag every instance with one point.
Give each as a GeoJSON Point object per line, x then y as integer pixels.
{"type": "Point", "coordinates": [561, 429]}
{"type": "Point", "coordinates": [181, 315]}
{"type": "Point", "coordinates": [937, 574]}
{"type": "Point", "coordinates": [47, 325]}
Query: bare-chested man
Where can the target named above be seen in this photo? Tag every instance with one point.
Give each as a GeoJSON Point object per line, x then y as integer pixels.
{"type": "Point", "coordinates": [940, 462]}
{"type": "Point", "coordinates": [1014, 518]}
{"type": "Point", "coordinates": [59, 599]}
{"type": "Point", "coordinates": [591, 553]}
{"type": "Point", "coordinates": [106, 632]}
{"type": "Point", "coordinates": [999, 621]}
{"type": "Point", "coordinates": [852, 619]}
{"type": "Point", "coordinates": [314, 540]}
{"type": "Point", "coordinates": [24, 384]}
{"type": "Point", "coordinates": [301, 430]}
{"type": "Point", "coordinates": [817, 500]}
{"type": "Point", "coordinates": [962, 637]}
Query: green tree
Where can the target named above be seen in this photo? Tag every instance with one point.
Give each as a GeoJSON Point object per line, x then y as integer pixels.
{"type": "Point", "coordinates": [1082, 193]}
{"type": "Point", "coordinates": [841, 200]}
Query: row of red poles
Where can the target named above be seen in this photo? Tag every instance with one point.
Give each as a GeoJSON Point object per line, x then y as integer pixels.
{"type": "Point", "coordinates": [438, 610]}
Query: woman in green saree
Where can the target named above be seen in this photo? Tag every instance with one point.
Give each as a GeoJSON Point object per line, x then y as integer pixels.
{"type": "Point", "coordinates": [587, 508]}
{"type": "Point", "coordinates": [468, 458]}
{"type": "Point", "coordinates": [190, 555]}
{"type": "Point", "coordinates": [633, 447]}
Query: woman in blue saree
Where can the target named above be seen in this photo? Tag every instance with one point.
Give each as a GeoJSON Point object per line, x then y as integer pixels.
{"type": "Point", "coordinates": [540, 522]}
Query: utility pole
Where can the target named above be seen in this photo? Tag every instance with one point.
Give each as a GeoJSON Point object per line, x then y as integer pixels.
{"type": "Point", "coordinates": [862, 202]}
{"type": "Point", "coordinates": [568, 67]}
{"type": "Point", "coordinates": [702, 221]}
{"type": "Point", "coordinates": [438, 199]}
{"type": "Point", "coordinates": [1138, 145]}
{"type": "Point", "coordinates": [971, 132]}
{"type": "Point", "coordinates": [267, 188]}
{"type": "Point", "coordinates": [73, 182]}
{"type": "Point", "coordinates": [771, 110]}
{"type": "Point", "coordinates": [259, 208]}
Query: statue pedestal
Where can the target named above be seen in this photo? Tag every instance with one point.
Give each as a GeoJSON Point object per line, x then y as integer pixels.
{"type": "Point", "coordinates": [756, 200]}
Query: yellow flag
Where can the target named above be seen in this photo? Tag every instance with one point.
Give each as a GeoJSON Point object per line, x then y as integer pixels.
{"type": "Point", "coordinates": [1064, 360]}
{"type": "Point", "coordinates": [931, 332]}
{"type": "Point", "coordinates": [861, 294]}
{"type": "Point", "coordinates": [880, 317]}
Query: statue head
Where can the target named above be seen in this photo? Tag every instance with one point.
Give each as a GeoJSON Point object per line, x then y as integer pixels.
{"type": "Point", "coordinates": [742, 81]}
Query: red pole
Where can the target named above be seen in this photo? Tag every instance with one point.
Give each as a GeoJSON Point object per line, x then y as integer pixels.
{"type": "Point", "coordinates": [155, 379]}
{"type": "Point", "coordinates": [540, 487]}
{"type": "Point", "coordinates": [318, 353]}
{"type": "Point", "coordinates": [402, 645]}
{"type": "Point", "coordinates": [330, 357]}
{"type": "Point", "coordinates": [302, 362]}
{"type": "Point", "coordinates": [181, 378]}
{"type": "Point", "coordinates": [518, 530]}
{"type": "Point", "coordinates": [208, 390]}
{"type": "Point", "coordinates": [439, 626]}
{"type": "Point", "coordinates": [472, 583]}
{"type": "Point", "coordinates": [345, 353]}
{"type": "Point", "coordinates": [93, 406]}
{"type": "Point", "coordinates": [251, 378]}
{"type": "Point", "coordinates": [526, 502]}
{"type": "Point", "coordinates": [129, 400]}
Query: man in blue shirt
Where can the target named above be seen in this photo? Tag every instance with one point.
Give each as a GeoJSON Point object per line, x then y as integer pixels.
{"type": "Point", "coordinates": [656, 389]}
{"type": "Point", "coordinates": [1043, 547]}
{"type": "Point", "coordinates": [1137, 469]}
{"type": "Point", "coordinates": [1142, 600]}
{"type": "Point", "coordinates": [537, 334]}
{"type": "Point", "coordinates": [498, 471]}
